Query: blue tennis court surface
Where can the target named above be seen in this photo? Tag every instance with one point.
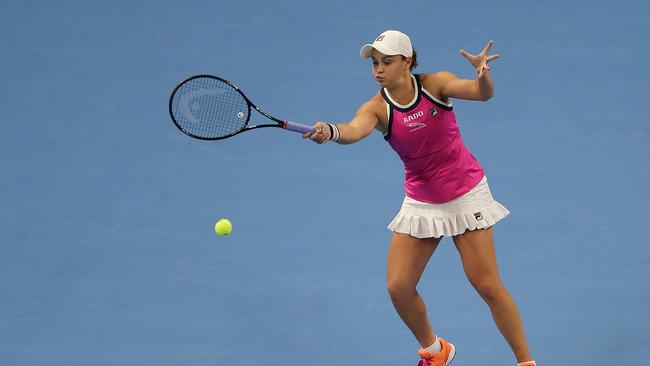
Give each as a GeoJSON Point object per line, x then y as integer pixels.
{"type": "Point", "coordinates": [107, 249]}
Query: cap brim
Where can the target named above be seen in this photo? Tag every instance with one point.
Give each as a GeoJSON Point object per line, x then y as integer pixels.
{"type": "Point", "coordinates": [366, 51]}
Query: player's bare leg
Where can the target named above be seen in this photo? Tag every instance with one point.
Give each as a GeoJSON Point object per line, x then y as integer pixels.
{"type": "Point", "coordinates": [476, 250]}
{"type": "Point", "coordinates": [407, 258]}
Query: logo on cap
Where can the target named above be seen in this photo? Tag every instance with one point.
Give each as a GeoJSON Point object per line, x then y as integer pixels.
{"type": "Point", "coordinates": [380, 38]}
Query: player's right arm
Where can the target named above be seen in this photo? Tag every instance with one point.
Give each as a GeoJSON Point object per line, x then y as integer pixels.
{"type": "Point", "coordinates": [362, 124]}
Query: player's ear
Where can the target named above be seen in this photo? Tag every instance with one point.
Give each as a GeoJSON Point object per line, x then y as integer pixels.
{"type": "Point", "coordinates": [408, 61]}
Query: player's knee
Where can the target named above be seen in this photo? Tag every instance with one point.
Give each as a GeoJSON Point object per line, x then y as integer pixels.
{"type": "Point", "coordinates": [490, 291]}
{"type": "Point", "coordinates": [399, 290]}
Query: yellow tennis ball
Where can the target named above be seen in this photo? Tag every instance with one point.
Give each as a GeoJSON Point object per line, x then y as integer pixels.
{"type": "Point", "coordinates": [223, 227]}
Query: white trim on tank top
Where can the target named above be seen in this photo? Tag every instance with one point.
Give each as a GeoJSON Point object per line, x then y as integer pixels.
{"type": "Point", "coordinates": [415, 97]}
{"type": "Point", "coordinates": [405, 106]}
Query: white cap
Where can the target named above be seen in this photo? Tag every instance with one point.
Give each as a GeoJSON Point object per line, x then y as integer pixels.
{"type": "Point", "coordinates": [390, 43]}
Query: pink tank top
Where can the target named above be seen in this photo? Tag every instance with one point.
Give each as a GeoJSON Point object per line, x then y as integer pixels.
{"type": "Point", "coordinates": [425, 135]}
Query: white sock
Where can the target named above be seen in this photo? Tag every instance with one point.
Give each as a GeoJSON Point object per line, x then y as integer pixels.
{"type": "Point", "coordinates": [435, 347]}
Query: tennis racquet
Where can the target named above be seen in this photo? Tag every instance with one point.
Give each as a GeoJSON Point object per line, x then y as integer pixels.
{"type": "Point", "coordinates": [207, 107]}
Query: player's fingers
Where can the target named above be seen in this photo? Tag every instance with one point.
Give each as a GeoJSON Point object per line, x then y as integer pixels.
{"type": "Point", "coordinates": [487, 47]}
{"type": "Point", "coordinates": [481, 71]}
{"type": "Point", "coordinates": [493, 57]}
{"type": "Point", "coordinates": [326, 131]}
{"type": "Point", "coordinates": [311, 135]}
{"type": "Point", "coordinates": [318, 134]}
{"type": "Point", "coordinates": [466, 54]}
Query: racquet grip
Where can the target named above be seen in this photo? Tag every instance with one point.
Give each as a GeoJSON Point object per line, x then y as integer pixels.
{"type": "Point", "coordinates": [298, 127]}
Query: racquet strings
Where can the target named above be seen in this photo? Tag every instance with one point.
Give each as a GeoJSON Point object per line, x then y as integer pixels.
{"type": "Point", "coordinates": [209, 108]}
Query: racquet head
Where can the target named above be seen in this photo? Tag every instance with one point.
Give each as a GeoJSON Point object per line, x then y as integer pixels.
{"type": "Point", "coordinates": [209, 108]}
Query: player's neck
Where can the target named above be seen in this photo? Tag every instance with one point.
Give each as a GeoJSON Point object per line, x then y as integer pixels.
{"type": "Point", "coordinates": [403, 91]}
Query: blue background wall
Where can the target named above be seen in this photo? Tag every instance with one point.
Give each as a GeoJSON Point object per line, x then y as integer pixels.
{"type": "Point", "coordinates": [107, 251]}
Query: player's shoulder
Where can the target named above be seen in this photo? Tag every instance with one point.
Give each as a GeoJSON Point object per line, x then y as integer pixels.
{"type": "Point", "coordinates": [436, 82]}
{"type": "Point", "coordinates": [374, 105]}
{"type": "Point", "coordinates": [377, 98]}
{"type": "Point", "coordinates": [437, 77]}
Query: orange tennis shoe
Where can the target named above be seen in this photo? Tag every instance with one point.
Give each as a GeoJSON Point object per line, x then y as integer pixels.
{"type": "Point", "coordinates": [442, 358]}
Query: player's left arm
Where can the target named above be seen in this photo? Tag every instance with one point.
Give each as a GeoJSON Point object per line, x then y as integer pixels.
{"type": "Point", "coordinates": [481, 88]}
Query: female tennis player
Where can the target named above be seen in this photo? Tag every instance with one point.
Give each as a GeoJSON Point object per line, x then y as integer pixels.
{"type": "Point", "coordinates": [447, 193]}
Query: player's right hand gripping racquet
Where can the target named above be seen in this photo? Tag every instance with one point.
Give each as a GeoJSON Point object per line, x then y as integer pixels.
{"type": "Point", "coordinates": [207, 107]}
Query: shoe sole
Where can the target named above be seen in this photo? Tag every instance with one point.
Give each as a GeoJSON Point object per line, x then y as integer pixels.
{"type": "Point", "coordinates": [452, 354]}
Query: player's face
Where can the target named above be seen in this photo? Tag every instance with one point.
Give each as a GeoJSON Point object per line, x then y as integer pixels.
{"type": "Point", "coordinates": [388, 69]}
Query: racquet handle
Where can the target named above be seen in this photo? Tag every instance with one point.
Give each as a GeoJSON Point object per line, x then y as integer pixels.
{"type": "Point", "coordinates": [298, 127]}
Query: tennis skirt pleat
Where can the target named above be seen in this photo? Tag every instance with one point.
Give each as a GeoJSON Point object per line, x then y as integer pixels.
{"type": "Point", "coordinates": [476, 209]}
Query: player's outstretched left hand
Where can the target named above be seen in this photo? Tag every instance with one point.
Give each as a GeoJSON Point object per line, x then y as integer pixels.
{"type": "Point", "coordinates": [480, 61]}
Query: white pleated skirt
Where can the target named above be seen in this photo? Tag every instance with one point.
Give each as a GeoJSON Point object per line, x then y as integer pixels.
{"type": "Point", "coordinates": [475, 209]}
